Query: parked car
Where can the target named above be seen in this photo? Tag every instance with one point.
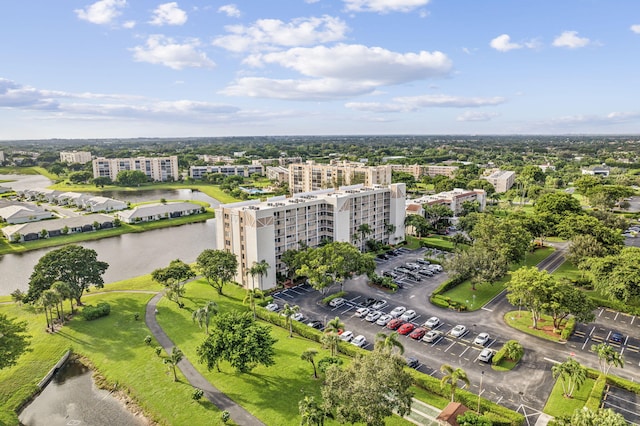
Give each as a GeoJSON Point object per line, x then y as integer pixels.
{"type": "Point", "coordinates": [272, 307]}
{"type": "Point", "coordinates": [458, 330]}
{"type": "Point", "coordinates": [397, 311]}
{"type": "Point", "coordinates": [389, 274]}
{"type": "Point", "coordinates": [412, 265]}
{"type": "Point", "coordinates": [423, 262]}
{"type": "Point", "coordinates": [402, 269]}
{"type": "Point", "coordinates": [406, 328]}
{"type": "Point", "coordinates": [408, 315]}
{"type": "Point", "coordinates": [379, 304]}
{"type": "Point", "coordinates": [414, 276]}
{"type": "Point", "coordinates": [432, 322]}
{"type": "Point", "coordinates": [338, 301]}
{"type": "Point", "coordinates": [383, 256]}
{"type": "Point", "coordinates": [425, 272]}
{"type": "Point", "coordinates": [373, 316]}
{"type": "Point", "coordinates": [384, 319]}
{"type": "Point", "coordinates": [413, 362]}
{"type": "Point", "coordinates": [359, 341]}
{"type": "Point", "coordinates": [315, 324]}
{"type": "Point", "coordinates": [298, 316]}
{"type": "Point", "coordinates": [486, 355]}
{"type": "Point", "coordinates": [391, 253]}
{"type": "Point", "coordinates": [394, 324]}
{"type": "Point", "coordinates": [369, 301]}
{"type": "Point", "coordinates": [616, 337]}
{"type": "Point", "coordinates": [346, 336]}
{"type": "Point", "coordinates": [482, 339]}
{"type": "Point", "coordinates": [362, 312]}
{"type": "Point", "coordinates": [418, 333]}
{"type": "Point", "coordinates": [432, 336]}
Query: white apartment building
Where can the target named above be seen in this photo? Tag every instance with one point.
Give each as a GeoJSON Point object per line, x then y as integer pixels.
{"type": "Point", "coordinates": [198, 172]}
{"type": "Point", "coordinates": [603, 171]}
{"type": "Point", "coordinates": [311, 176]}
{"type": "Point", "coordinates": [280, 161]}
{"type": "Point", "coordinates": [452, 199]}
{"type": "Point", "coordinates": [75, 157]}
{"type": "Point", "coordinates": [502, 180]}
{"type": "Point", "coordinates": [156, 168]}
{"type": "Point", "coordinates": [263, 230]}
{"type": "Point", "coordinates": [278, 173]}
{"type": "Point", "coordinates": [1, 157]}
{"type": "Point", "coordinates": [418, 171]}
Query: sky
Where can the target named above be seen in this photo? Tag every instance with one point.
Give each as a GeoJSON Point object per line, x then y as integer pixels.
{"type": "Point", "coordinates": [198, 68]}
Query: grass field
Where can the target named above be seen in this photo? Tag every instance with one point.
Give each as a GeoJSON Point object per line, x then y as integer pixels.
{"type": "Point", "coordinates": [559, 405]}
{"type": "Point", "coordinates": [463, 293]}
{"type": "Point", "coordinates": [521, 320]}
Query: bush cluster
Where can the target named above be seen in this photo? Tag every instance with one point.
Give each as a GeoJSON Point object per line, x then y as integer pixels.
{"type": "Point", "coordinates": [90, 312]}
{"type": "Point", "coordinates": [568, 329]}
{"type": "Point", "coordinates": [333, 296]}
{"type": "Point", "coordinates": [437, 299]}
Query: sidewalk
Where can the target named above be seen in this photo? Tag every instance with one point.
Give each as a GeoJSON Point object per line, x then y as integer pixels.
{"type": "Point", "coordinates": [197, 380]}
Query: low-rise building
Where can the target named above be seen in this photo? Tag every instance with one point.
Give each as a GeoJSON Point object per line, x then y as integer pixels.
{"type": "Point", "coordinates": [603, 171]}
{"type": "Point", "coordinates": [278, 173]}
{"type": "Point", "coordinates": [311, 176]}
{"type": "Point", "coordinates": [502, 180]}
{"type": "Point", "coordinates": [454, 200]}
{"type": "Point", "coordinates": [57, 227]}
{"type": "Point", "coordinates": [280, 161]}
{"type": "Point", "coordinates": [69, 157]}
{"type": "Point", "coordinates": [198, 172]}
{"type": "Point", "coordinates": [263, 230]}
{"type": "Point", "coordinates": [103, 204]}
{"type": "Point", "coordinates": [152, 212]}
{"type": "Point", "coordinates": [15, 213]}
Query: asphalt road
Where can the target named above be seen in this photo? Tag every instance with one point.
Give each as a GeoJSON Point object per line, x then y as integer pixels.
{"type": "Point", "coordinates": [526, 387]}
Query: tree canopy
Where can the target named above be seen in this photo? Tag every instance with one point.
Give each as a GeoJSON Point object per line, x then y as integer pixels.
{"type": "Point", "coordinates": [505, 236]}
{"type": "Point", "coordinates": [77, 266]}
{"type": "Point", "coordinates": [218, 267]}
{"type": "Point", "coordinates": [13, 340]}
{"type": "Point", "coordinates": [131, 178]}
{"type": "Point", "coordinates": [617, 276]}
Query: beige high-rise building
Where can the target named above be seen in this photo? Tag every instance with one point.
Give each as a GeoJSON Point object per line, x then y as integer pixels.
{"type": "Point", "coordinates": [263, 230]}
{"type": "Point", "coordinates": [311, 176]}
{"type": "Point", "coordinates": [502, 180]}
{"type": "Point", "coordinates": [418, 171]}
{"type": "Point", "coordinates": [156, 168]}
{"type": "Point", "coordinates": [75, 157]}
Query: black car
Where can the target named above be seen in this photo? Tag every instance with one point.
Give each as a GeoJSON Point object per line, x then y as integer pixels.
{"type": "Point", "coordinates": [389, 274]}
{"type": "Point", "coordinates": [315, 324]}
{"type": "Point", "coordinates": [369, 301]}
{"type": "Point", "coordinates": [391, 253]}
{"type": "Point", "coordinates": [616, 337]}
{"type": "Point", "coordinates": [413, 362]}
{"type": "Point", "coordinates": [383, 256]}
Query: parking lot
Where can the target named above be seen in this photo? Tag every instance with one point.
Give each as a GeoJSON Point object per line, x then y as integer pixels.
{"type": "Point", "coordinates": [623, 402]}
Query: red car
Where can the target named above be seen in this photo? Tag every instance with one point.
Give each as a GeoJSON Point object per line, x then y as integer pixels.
{"type": "Point", "coordinates": [394, 323]}
{"type": "Point", "coordinates": [418, 333]}
{"type": "Point", "coordinates": [406, 328]}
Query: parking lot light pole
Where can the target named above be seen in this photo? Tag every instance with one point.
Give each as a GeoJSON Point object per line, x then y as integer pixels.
{"type": "Point", "coordinates": [480, 391]}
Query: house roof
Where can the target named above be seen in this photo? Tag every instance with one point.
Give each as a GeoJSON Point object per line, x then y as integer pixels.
{"type": "Point", "coordinates": [414, 207]}
{"type": "Point", "coordinates": [16, 211]}
{"type": "Point", "coordinates": [451, 413]}
{"type": "Point", "coordinates": [157, 209]}
{"type": "Point", "coordinates": [54, 224]}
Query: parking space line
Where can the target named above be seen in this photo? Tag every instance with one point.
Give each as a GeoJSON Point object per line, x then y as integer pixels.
{"type": "Point", "coordinates": [450, 346]}
{"type": "Point", "coordinates": [463, 352]}
{"type": "Point", "coordinates": [616, 317]}
{"type": "Point", "coordinates": [585, 343]}
{"type": "Point", "coordinates": [601, 311]}
{"type": "Point", "coordinates": [288, 295]}
{"type": "Point", "coordinates": [632, 319]}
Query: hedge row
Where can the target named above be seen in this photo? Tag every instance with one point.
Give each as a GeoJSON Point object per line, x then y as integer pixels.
{"type": "Point", "coordinates": [90, 312]}
{"type": "Point", "coordinates": [437, 299]}
{"type": "Point", "coordinates": [595, 397]}
{"type": "Point", "coordinates": [615, 305]}
{"type": "Point", "coordinates": [568, 329]}
{"type": "Point", "coordinates": [333, 296]}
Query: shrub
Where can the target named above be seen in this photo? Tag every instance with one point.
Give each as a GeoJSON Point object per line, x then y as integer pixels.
{"type": "Point", "coordinates": [593, 402]}
{"type": "Point", "coordinates": [147, 340]}
{"type": "Point", "coordinates": [333, 296]}
{"type": "Point", "coordinates": [90, 312]}
{"type": "Point", "coordinates": [439, 301]}
{"type": "Point", "coordinates": [568, 329]}
{"type": "Point", "coordinates": [197, 394]}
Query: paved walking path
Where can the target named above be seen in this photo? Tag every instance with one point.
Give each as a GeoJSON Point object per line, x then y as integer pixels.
{"type": "Point", "coordinates": [219, 399]}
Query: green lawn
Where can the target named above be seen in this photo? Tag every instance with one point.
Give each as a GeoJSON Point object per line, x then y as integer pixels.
{"type": "Point", "coordinates": [558, 405]}
{"type": "Point", "coordinates": [568, 270]}
{"type": "Point", "coordinates": [7, 247]}
{"type": "Point", "coordinates": [463, 293]}
{"type": "Point", "coordinates": [521, 320]}
{"type": "Point", "coordinates": [12, 170]}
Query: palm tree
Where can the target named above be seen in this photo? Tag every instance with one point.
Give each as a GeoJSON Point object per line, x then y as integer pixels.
{"type": "Point", "coordinates": [48, 300]}
{"type": "Point", "coordinates": [572, 375]}
{"type": "Point", "coordinates": [311, 413]}
{"type": "Point", "coordinates": [364, 230]}
{"type": "Point", "coordinates": [330, 341]}
{"type": "Point", "coordinates": [203, 315]}
{"type": "Point", "coordinates": [452, 377]}
{"type": "Point", "coordinates": [388, 342]}
{"type": "Point", "coordinates": [64, 291]}
{"type": "Point", "coordinates": [308, 355]}
{"type": "Point", "coordinates": [173, 359]}
{"type": "Point", "coordinates": [288, 312]}
{"type": "Point", "coordinates": [607, 357]}
{"type": "Point", "coordinates": [334, 326]}
{"type": "Point", "coordinates": [250, 299]}
{"type": "Point", "coordinates": [513, 350]}
{"type": "Point", "coordinates": [260, 269]}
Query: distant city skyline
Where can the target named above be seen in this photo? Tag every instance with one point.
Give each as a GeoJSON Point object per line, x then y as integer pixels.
{"type": "Point", "coordinates": [126, 69]}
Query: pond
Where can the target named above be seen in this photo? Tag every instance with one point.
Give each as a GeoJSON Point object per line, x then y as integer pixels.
{"type": "Point", "coordinates": [71, 398]}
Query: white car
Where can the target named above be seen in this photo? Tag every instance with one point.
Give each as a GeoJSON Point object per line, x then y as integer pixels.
{"type": "Point", "coordinates": [297, 316]}
{"type": "Point", "coordinates": [338, 301]}
{"type": "Point", "coordinates": [482, 339]}
{"type": "Point", "coordinates": [432, 322]}
{"type": "Point", "coordinates": [359, 341]}
{"type": "Point", "coordinates": [408, 315]}
{"type": "Point", "coordinates": [346, 336]}
{"type": "Point", "coordinates": [379, 304]}
{"type": "Point", "coordinates": [362, 312]}
{"type": "Point", "coordinates": [458, 330]}
{"type": "Point", "coordinates": [272, 307]}
{"type": "Point", "coordinates": [432, 336]}
{"type": "Point", "coordinates": [486, 355]}
{"type": "Point", "coordinates": [397, 311]}
{"type": "Point", "coordinates": [373, 316]}
{"type": "Point", "coordinates": [384, 319]}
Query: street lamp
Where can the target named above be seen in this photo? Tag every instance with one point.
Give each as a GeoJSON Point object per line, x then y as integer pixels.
{"type": "Point", "coordinates": [480, 392]}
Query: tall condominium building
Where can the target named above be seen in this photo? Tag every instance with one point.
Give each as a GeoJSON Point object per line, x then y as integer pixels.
{"type": "Point", "coordinates": [502, 180]}
{"type": "Point", "coordinates": [156, 168]}
{"type": "Point", "coordinates": [311, 176]}
{"type": "Point", "coordinates": [197, 172]}
{"type": "Point", "coordinates": [263, 230]}
{"type": "Point", "coordinates": [418, 171]}
{"type": "Point", "coordinates": [452, 199]}
{"type": "Point", "coordinates": [75, 157]}
{"type": "Point", "coordinates": [1, 157]}
{"type": "Point", "coordinates": [280, 161]}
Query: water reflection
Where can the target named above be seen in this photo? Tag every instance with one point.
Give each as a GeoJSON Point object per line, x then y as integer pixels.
{"type": "Point", "coordinates": [72, 398]}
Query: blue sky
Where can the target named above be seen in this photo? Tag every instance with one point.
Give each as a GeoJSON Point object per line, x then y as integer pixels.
{"type": "Point", "coordinates": [125, 68]}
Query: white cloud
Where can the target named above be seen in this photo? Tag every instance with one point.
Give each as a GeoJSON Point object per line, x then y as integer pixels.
{"type": "Point", "coordinates": [101, 12]}
{"type": "Point", "coordinates": [570, 40]}
{"type": "Point", "coordinates": [14, 95]}
{"type": "Point", "coordinates": [165, 51]}
{"type": "Point", "coordinates": [414, 103]}
{"type": "Point", "coordinates": [476, 116]}
{"type": "Point", "coordinates": [230, 10]}
{"type": "Point", "coordinates": [635, 28]}
{"type": "Point", "coordinates": [357, 63]}
{"type": "Point", "coordinates": [598, 120]}
{"type": "Point", "coordinates": [129, 24]}
{"type": "Point", "coordinates": [384, 6]}
{"type": "Point", "coordinates": [298, 90]}
{"type": "Point", "coordinates": [503, 43]}
{"type": "Point", "coordinates": [266, 33]}
{"type": "Point", "coordinates": [168, 14]}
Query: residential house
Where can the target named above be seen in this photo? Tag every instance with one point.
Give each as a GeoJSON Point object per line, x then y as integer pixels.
{"type": "Point", "coordinates": [23, 213]}
{"type": "Point", "coordinates": [57, 227]}
{"type": "Point", "coordinates": [158, 211]}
